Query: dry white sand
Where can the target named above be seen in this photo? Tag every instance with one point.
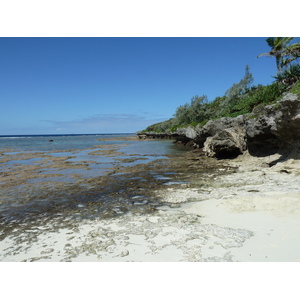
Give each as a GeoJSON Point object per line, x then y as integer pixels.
{"type": "Point", "coordinates": [250, 215]}
{"type": "Point", "coordinates": [265, 201]}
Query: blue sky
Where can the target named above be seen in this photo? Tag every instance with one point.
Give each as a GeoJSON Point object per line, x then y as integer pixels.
{"type": "Point", "coordinates": [115, 85]}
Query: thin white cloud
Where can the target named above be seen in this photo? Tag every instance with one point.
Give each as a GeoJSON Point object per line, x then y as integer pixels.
{"type": "Point", "coordinates": [105, 123]}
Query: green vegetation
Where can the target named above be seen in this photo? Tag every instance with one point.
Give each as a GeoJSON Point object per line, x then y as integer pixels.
{"type": "Point", "coordinates": [290, 75]}
{"type": "Point", "coordinates": [279, 50]}
{"type": "Point", "coordinates": [242, 97]}
{"type": "Point", "coordinates": [296, 89]}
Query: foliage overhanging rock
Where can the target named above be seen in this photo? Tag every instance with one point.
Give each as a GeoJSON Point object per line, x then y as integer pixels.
{"type": "Point", "coordinates": [267, 130]}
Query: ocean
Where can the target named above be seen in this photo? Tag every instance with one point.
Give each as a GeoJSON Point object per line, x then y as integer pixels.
{"type": "Point", "coordinates": [62, 141]}
{"type": "Point", "coordinates": [74, 177]}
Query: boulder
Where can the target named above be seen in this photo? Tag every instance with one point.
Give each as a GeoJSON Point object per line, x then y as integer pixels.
{"type": "Point", "coordinates": [185, 135]}
{"type": "Point", "coordinates": [223, 138]}
{"type": "Point", "coordinates": [228, 143]}
{"type": "Point", "coordinates": [189, 132]}
{"type": "Point", "coordinates": [214, 127]}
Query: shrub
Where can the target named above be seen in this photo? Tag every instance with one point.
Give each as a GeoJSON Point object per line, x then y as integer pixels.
{"type": "Point", "coordinates": [289, 75]}
{"type": "Point", "coordinates": [296, 89]}
{"type": "Point", "coordinates": [263, 95]}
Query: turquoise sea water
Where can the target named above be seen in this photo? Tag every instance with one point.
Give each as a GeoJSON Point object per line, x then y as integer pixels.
{"type": "Point", "coordinates": [80, 147]}
{"type": "Point", "coordinates": [60, 142]}
{"type": "Point", "coordinates": [81, 142]}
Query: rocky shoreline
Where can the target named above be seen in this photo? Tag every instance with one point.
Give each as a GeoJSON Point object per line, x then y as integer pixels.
{"type": "Point", "coordinates": [50, 199]}
{"type": "Point", "coordinates": [268, 130]}
{"type": "Point", "coordinates": [244, 210]}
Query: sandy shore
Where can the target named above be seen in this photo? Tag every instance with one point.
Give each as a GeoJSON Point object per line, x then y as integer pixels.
{"type": "Point", "coordinates": [249, 215]}
{"type": "Point", "coordinates": [261, 200]}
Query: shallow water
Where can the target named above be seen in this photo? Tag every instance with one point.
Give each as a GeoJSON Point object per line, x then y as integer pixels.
{"type": "Point", "coordinates": [79, 177]}
{"type": "Point", "coordinates": [60, 142]}
{"type": "Point", "coordinates": [54, 204]}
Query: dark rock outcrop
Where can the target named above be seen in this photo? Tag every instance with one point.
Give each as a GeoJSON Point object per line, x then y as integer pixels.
{"type": "Point", "coordinates": [276, 129]}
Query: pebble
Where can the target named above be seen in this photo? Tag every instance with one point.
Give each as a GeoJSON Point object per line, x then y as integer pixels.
{"type": "Point", "coordinates": [175, 205]}
{"type": "Point", "coordinates": [118, 211]}
{"type": "Point", "coordinates": [124, 253]}
{"type": "Point", "coordinates": [136, 197]}
{"type": "Point", "coordinates": [153, 219]}
{"type": "Point", "coordinates": [47, 251]}
{"type": "Point", "coordinates": [150, 234]}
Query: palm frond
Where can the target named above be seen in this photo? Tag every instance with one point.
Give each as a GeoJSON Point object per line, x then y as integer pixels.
{"type": "Point", "coordinates": [293, 49]}
{"type": "Point", "coordinates": [264, 54]}
{"type": "Point", "coordinates": [281, 42]}
{"type": "Point", "coordinates": [282, 51]}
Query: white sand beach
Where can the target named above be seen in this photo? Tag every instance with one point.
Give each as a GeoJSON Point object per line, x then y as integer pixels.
{"type": "Point", "coordinates": [252, 215]}
{"type": "Point", "coordinates": [264, 201]}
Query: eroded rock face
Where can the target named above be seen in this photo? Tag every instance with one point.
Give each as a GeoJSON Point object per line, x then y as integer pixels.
{"type": "Point", "coordinates": [214, 127]}
{"type": "Point", "coordinates": [227, 143]}
{"type": "Point", "coordinates": [222, 138]}
{"type": "Point", "coordinates": [276, 129]}
{"type": "Point", "coordinates": [268, 130]}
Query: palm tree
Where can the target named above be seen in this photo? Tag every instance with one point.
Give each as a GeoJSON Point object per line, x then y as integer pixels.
{"type": "Point", "coordinates": [292, 53]}
{"type": "Point", "coordinates": [279, 46]}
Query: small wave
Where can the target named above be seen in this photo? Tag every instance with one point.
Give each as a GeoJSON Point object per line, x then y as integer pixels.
{"type": "Point", "coordinates": [15, 137]}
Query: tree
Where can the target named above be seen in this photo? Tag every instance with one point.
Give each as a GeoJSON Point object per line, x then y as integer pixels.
{"type": "Point", "coordinates": [242, 87]}
{"type": "Point", "coordinates": [198, 108]}
{"type": "Point", "coordinates": [279, 49]}
{"type": "Point", "coordinates": [291, 53]}
{"type": "Point", "coordinates": [182, 114]}
{"type": "Point", "coordinates": [192, 112]}
{"type": "Point", "coordinates": [285, 53]}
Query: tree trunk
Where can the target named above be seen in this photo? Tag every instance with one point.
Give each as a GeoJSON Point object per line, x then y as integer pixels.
{"type": "Point", "coordinates": [278, 63]}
